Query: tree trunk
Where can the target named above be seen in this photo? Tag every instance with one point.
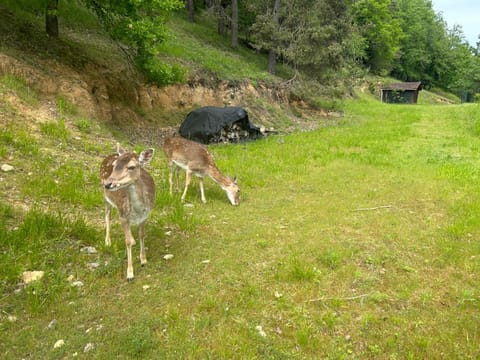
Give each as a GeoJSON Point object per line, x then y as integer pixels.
{"type": "Point", "coordinates": [272, 55]}
{"type": "Point", "coordinates": [191, 10]}
{"type": "Point", "coordinates": [272, 61]}
{"type": "Point", "coordinates": [234, 24]}
{"type": "Point", "coordinates": [51, 18]}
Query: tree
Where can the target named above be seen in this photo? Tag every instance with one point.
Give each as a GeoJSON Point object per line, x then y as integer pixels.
{"type": "Point", "coordinates": [234, 24]}
{"type": "Point", "coordinates": [316, 41]}
{"type": "Point", "coordinates": [141, 26]}
{"type": "Point", "coordinates": [51, 18]}
{"type": "Point", "coordinates": [381, 31]}
{"type": "Point", "coordinates": [191, 10]}
{"type": "Point", "coordinates": [267, 30]}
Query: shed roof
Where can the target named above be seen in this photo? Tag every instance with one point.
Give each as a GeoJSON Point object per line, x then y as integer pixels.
{"type": "Point", "coordinates": [417, 85]}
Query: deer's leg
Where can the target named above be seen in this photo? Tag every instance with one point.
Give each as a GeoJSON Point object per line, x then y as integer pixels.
{"type": "Point", "coordinates": [171, 169]}
{"type": "Point", "coordinates": [202, 191]}
{"type": "Point", "coordinates": [177, 176]}
{"type": "Point", "coordinates": [141, 235]}
{"type": "Point", "coordinates": [129, 242]}
{"type": "Point", "coordinates": [188, 178]}
{"type": "Point", "coordinates": [108, 210]}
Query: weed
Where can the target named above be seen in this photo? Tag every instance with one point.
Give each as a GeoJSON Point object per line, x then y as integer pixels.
{"type": "Point", "coordinates": [20, 87]}
{"type": "Point", "coordinates": [55, 130]}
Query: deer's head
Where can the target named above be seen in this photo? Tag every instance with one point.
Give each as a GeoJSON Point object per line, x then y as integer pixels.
{"type": "Point", "coordinates": [124, 169]}
{"type": "Point", "coordinates": [233, 192]}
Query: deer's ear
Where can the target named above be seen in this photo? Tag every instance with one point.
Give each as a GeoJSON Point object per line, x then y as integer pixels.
{"type": "Point", "coordinates": [120, 151]}
{"type": "Point", "coordinates": [234, 180]}
{"type": "Point", "coordinates": [146, 156]}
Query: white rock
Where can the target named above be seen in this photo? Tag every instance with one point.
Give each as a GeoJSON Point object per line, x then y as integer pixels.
{"type": "Point", "coordinates": [58, 344]}
{"type": "Point", "coordinates": [52, 324]}
{"type": "Point", "coordinates": [77, 283]}
{"type": "Point", "coordinates": [89, 250]}
{"type": "Point", "coordinates": [93, 265]}
{"type": "Point", "coordinates": [168, 257]}
{"type": "Point", "coordinates": [260, 331]}
{"type": "Point", "coordinates": [12, 318]}
{"type": "Point", "coordinates": [6, 167]}
{"type": "Point", "coordinates": [70, 278]}
{"type": "Point", "coordinates": [206, 261]}
{"type": "Point", "coordinates": [88, 347]}
{"type": "Point", "coordinates": [146, 287]}
{"type": "Point", "coordinates": [29, 276]}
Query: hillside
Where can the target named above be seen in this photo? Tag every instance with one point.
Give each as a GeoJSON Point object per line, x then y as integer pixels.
{"type": "Point", "coordinates": [91, 72]}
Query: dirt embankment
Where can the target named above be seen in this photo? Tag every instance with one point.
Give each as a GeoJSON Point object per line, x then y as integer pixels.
{"type": "Point", "coordinates": [119, 100]}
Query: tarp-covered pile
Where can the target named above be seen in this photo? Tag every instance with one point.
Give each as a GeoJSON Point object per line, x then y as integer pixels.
{"type": "Point", "coordinates": [219, 124]}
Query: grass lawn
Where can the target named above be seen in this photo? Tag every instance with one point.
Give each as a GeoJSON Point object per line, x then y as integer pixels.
{"type": "Point", "coordinates": [354, 241]}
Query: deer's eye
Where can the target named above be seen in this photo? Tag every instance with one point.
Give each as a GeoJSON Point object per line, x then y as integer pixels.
{"type": "Point", "coordinates": [131, 168]}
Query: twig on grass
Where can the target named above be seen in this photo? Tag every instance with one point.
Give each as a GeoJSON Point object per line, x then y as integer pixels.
{"type": "Point", "coordinates": [348, 298]}
{"type": "Point", "coordinates": [375, 208]}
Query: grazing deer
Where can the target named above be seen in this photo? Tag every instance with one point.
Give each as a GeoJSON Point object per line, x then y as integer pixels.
{"type": "Point", "coordinates": [128, 187]}
{"type": "Point", "coordinates": [195, 159]}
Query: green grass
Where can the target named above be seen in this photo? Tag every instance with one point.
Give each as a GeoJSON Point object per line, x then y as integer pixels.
{"type": "Point", "coordinates": [195, 44]}
{"type": "Point", "coordinates": [353, 241]}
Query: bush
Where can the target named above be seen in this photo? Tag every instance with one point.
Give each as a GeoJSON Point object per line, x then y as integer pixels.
{"type": "Point", "coordinates": [159, 73]}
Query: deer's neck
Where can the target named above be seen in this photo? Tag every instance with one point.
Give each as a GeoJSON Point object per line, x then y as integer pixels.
{"type": "Point", "coordinates": [218, 177]}
{"type": "Point", "coordinates": [137, 200]}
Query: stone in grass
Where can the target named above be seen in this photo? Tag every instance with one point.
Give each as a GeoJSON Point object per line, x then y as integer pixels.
{"type": "Point", "coordinates": [6, 168]}
{"type": "Point", "coordinates": [88, 347]}
{"type": "Point", "coordinates": [59, 344]}
{"type": "Point", "coordinates": [29, 276]}
{"type": "Point", "coordinates": [88, 250]}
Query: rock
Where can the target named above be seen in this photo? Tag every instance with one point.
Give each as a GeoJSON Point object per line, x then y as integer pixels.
{"type": "Point", "coordinates": [7, 168]}
{"type": "Point", "coordinates": [77, 283]}
{"type": "Point", "coordinates": [260, 331]}
{"type": "Point", "coordinates": [29, 276]}
{"type": "Point", "coordinates": [12, 318]}
{"type": "Point", "coordinates": [88, 347]}
{"type": "Point", "coordinates": [88, 250]}
{"type": "Point", "coordinates": [52, 324]}
{"type": "Point", "coordinates": [168, 257]}
{"type": "Point", "coordinates": [58, 344]}
{"type": "Point", "coordinates": [93, 265]}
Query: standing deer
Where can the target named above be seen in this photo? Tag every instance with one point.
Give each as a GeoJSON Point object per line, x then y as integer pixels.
{"type": "Point", "coordinates": [195, 159]}
{"type": "Point", "coordinates": [128, 187]}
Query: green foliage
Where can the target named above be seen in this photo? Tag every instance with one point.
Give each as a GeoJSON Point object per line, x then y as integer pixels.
{"type": "Point", "coordinates": [381, 31]}
{"type": "Point", "coordinates": [161, 73]}
{"type": "Point", "coordinates": [317, 41]}
{"type": "Point", "coordinates": [141, 25]}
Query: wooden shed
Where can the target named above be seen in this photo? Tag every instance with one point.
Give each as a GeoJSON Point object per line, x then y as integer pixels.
{"type": "Point", "coordinates": [401, 93]}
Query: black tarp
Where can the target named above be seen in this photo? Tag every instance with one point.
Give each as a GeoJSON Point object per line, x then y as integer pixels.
{"type": "Point", "coordinates": [212, 124]}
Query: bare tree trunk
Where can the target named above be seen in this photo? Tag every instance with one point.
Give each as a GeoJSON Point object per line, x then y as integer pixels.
{"type": "Point", "coordinates": [51, 18]}
{"type": "Point", "coordinates": [272, 55]}
{"type": "Point", "coordinates": [234, 24]}
{"type": "Point", "coordinates": [191, 10]}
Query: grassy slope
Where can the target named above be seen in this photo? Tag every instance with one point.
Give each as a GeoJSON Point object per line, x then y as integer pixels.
{"type": "Point", "coordinates": [354, 241]}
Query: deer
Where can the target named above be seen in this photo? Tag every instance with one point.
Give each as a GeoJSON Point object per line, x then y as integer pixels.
{"type": "Point", "coordinates": [195, 159]}
{"type": "Point", "coordinates": [129, 188]}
